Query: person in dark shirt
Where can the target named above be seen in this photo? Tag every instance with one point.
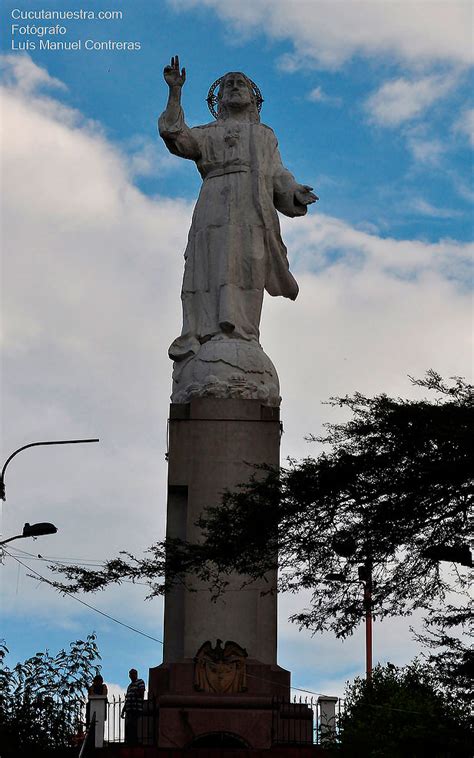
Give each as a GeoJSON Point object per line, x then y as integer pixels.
{"type": "Point", "coordinates": [133, 707]}
{"type": "Point", "coordinates": [97, 689]}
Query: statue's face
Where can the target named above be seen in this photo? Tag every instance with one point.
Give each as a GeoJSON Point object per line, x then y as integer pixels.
{"type": "Point", "coordinates": [235, 91]}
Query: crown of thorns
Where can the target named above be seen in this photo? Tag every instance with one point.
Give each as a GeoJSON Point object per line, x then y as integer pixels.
{"type": "Point", "coordinates": [212, 96]}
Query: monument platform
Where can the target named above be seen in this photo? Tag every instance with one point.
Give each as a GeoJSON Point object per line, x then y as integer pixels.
{"type": "Point", "coordinates": [247, 716]}
{"type": "Point", "coordinates": [288, 751]}
{"type": "Point", "coordinates": [219, 677]}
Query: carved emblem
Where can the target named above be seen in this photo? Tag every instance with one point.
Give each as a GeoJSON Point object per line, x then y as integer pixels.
{"type": "Point", "coordinates": [232, 137]}
{"type": "Point", "coordinates": [220, 669]}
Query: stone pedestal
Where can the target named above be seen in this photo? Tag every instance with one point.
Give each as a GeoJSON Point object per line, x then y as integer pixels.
{"type": "Point", "coordinates": [213, 445]}
{"type": "Point", "coordinates": [97, 714]}
{"type": "Point", "coordinates": [187, 716]}
{"type": "Point", "coordinates": [328, 721]}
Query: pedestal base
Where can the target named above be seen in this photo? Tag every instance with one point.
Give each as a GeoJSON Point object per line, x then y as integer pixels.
{"type": "Point", "coordinates": [226, 367]}
{"type": "Point", "coordinates": [219, 684]}
{"type": "Point", "coordinates": [251, 719]}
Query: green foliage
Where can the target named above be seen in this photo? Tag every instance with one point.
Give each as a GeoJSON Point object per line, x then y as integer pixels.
{"type": "Point", "coordinates": [452, 659]}
{"type": "Point", "coordinates": [396, 479]}
{"type": "Point", "coordinates": [42, 699]}
{"type": "Point", "coordinates": [403, 713]}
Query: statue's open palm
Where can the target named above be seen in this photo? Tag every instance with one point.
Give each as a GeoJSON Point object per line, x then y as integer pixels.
{"type": "Point", "coordinates": [172, 74]}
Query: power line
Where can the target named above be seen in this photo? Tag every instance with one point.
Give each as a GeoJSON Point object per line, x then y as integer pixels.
{"type": "Point", "coordinates": [58, 559]}
{"type": "Point", "coordinates": [71, 562]}
{"type": "Point", "coordinates": [61, 561]}
{"type": "Point", "coordinates": [93, 608]}
{"type": "Point", "coordinates": [84, 562]}
{"type": "Point", "coordinates": [127, 626]}
{"type": "Point", "coordinates": [102, 613]}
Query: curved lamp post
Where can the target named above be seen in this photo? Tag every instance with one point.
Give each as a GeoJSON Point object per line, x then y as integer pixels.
{"type": "Point", "coordinates": [35, 444]}
{"type": "Point", "coordinates": [33, 530]}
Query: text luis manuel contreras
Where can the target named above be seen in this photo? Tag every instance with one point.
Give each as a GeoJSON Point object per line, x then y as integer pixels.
{"type": "Point", "coordinates": [27, 36]}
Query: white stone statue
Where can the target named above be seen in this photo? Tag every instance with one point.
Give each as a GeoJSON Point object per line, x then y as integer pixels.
{"type": "Point", "coordinates": [235, 250]}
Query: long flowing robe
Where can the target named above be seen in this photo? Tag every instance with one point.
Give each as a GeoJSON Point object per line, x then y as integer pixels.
{"type": "Point", "coordinates": [234, 248]}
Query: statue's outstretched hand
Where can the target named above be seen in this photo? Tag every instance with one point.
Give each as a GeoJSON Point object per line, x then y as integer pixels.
{"type": "Point", "coordinates": [172, 74]}
{"type": "Point", "coordinates": [304, 195]}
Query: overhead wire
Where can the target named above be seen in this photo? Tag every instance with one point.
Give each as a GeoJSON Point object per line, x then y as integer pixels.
{"type": "Point", "coordinates": [72, 562]}
{"type": "Point", "coordinates": [82, 602]}
{"type": "Point", "coordinates": [58, 559]}
{"type": "Point", "coordinates": [79, 562]}
{"type": "Point", "coordinates": [127, 626]}
{"type": "Point", "coordinates": [144, 634]}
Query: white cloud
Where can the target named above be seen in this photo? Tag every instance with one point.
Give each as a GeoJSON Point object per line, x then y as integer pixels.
{"type": "Point", "coordinates": [20, 71]}
{"type": "Point", "coordinates": [115, 691]}
{"type": "Point", "coordinates": [465, 125]}
{"type": "Point", "coordinates": [427, 209]}
{"type": "Point", "coordinates": [426, 151]}
{"type": "Point", "coordinates": [327, 33]}
{"type": "Point", "coordinates": [402, 99]}
{"type": "Point", "coordinates": [93, 269]}
{"type": "Point", "coordinates": [147, 157]}
{"type": "Point", "coordinates": [317, 95]}
{"type": "Point", "coordinates": [326, 244]}
{"type": "Point", "coordinates": [375, 311]}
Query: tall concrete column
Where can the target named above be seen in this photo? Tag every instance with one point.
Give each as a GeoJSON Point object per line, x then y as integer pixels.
{"type": "Point", "coordinates": [212, 444]}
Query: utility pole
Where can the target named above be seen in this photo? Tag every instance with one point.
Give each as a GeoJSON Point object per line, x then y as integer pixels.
{"type": "Point", "coordinates": [365, 576]}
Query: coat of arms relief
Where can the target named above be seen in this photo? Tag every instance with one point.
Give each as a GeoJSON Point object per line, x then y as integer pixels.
{"type": "Point", "coordinates": [221, 670]}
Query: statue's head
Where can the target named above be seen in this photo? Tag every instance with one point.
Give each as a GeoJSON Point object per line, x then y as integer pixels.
{"type": "Point", "coordinates": [235, 93]}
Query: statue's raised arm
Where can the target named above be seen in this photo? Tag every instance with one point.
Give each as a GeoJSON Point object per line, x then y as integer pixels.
{"type": "Point", "coordinates": [234, 249]}
{"type": "Point", "coordinates": [175, 79]}
{"type": "Point", "coordinates": [171, 125]}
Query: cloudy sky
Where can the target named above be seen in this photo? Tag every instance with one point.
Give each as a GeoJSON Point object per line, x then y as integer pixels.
{"type": "Point", "coordinates": [369, 101]}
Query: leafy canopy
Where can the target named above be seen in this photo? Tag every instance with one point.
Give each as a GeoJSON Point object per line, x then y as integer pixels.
{"type": "Point", "coordinates": [42, 699]}
{"type": "Point", "coordinates": [396, 480]}
{"type": "Point", "coordinates": [403, 713]}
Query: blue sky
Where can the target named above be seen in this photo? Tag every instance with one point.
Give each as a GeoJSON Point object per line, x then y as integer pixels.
{"type": "Point", "coordinates": [370, 104]}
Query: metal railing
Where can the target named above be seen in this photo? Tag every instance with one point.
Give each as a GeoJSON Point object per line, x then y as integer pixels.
{"type": "Point", "coordinates": [303, 722]}
{"type": "Point", "coordinates": [294, 722]}
{"type": "Point", "coordinates": [138, 727]}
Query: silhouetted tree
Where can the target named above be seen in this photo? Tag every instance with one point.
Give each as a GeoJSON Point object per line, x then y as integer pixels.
{"type": "Point", "coordinates": [391, 491]}
{"type": "Point", "coordinates": [41, 701]}
{"type": "Point", "coordinates": [403, 713]}
{"type": "Point", "coordinates": [452, 658]}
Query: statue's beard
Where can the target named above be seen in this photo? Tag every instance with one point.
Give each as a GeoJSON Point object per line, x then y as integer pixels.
{"type": "Point", "coordinates": [246, 110]}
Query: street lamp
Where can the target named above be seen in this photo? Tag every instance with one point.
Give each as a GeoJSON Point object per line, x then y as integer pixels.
{"type": "Point", "coordinates": [345, 545]}
{"type": "Point", "coordinates": [365, 577]}
{"type": "Point", "coordinates": [33, 530]}
{"type": "Point", "coordinates": [35, 444]}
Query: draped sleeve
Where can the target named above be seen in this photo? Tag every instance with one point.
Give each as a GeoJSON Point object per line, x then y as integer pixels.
{"type": "Point", "coordinates": [179, 138]}
{"type": "Point", "coordinates": [284, 186]}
